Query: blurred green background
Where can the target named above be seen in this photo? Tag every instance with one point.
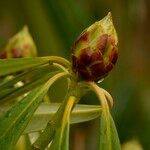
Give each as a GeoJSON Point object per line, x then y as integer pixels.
{"type": "Point", "coordinates": [54, 26]}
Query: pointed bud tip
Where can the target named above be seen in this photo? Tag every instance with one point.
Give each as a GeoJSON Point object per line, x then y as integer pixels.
{"type": "Point", "coordinates": [109, 15]}
{"type": "Point", "coordinates": [25, 28]}
{"type": "Point", "coordinates": [20, 45]}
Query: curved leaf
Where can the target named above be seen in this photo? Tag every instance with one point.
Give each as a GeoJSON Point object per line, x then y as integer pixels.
{"type": "Point", "coordinates": [8, 66]}
{"type": "Point", "coordinates": [16, 92]}
{"type": "Point", "coordinates": [15, 120]}
{"type": "Point", "coordinates": [32, 74]}
{"type": "Point", "coordinates": [61, 137]}
{"type": "Point", "coordinates": [114, 136]}
{"type": "Point", "coordinates": [11, 65]}
{"type": "Point", "coordinates": [114, 143]}
{"type": "Point", "coordinates": [13, 123]}
{"type": "Point", "coordinates": [44, 113]}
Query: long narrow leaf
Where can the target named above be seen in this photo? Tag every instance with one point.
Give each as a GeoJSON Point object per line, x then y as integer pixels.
{"type": "Point", "coordinates": [30, 75]}
{"type": "Point", "coordinates": [44, 113]}
{"type": "Point", "coordinates": [108, 135]}
{"type": "Point", "coordinates": [6, 91]}
{"type": "Point", "coordinates": [8, 66]}
{"type": "Point", "coordinates": [61, 137]}
{"type": "Point", "coordinates": [103, 145]}
{"type": "Point", "coordinates": [16, 92]}
{"type": "Point", "coordinates": [114, 139]}
{"type": "Point", "coordinates": [114, 136]}
{"type": "Point", "coordinates": [61, 142]}
{"type": "Point", "coordinates": [13, 123]}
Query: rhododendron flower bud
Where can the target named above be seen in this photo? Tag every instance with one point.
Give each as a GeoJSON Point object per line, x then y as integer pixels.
{"type": "Point", "coordinates": [19, 46]}
{"type": "Point", "coordinates": [95, 51]}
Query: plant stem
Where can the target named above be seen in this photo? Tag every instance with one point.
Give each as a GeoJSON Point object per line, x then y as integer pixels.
{"type": "Point", "coordinates": [47, 135]}
{"type": "Point", "coordinates": [63, 69]}
{"type": "Point", "coordinates": [59, 60]}
{"type": "Point", "coordinates": [109, 97]}
{"type": "Point", "coordinates": [60, 67]}
{"type": "Point", "coordinates": [101, 96]}
{"type": "Point", "coordinates": [61, 137]}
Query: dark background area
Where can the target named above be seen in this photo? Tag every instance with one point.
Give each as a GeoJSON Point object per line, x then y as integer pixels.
{"type": "Point", "coordinates": [55, 25]}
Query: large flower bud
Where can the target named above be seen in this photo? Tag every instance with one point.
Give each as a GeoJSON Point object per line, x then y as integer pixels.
{"type": "Point", "coordinates": [19, 46]}
{"type": "Point", "coordinates": [95, 51]}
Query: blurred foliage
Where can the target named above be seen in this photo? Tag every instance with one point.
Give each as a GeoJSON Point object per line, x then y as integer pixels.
{"type": "Point", "coordinates": [56, 24]}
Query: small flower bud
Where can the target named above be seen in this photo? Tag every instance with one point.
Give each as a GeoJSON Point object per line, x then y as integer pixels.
{"type": "Point", "coordinates": [95, 51]}
{"type": "Point", "coordinates": [19, 46]}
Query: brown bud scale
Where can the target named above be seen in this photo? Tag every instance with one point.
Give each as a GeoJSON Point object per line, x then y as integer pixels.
{"type": "Point", "coordinates": [95, 51]}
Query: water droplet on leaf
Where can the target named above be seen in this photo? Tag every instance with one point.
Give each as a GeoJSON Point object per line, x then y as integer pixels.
{"type": "Point", "coordinates": [101, 80]}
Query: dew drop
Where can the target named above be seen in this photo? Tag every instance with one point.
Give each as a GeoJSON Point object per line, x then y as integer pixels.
{"type": "Point", "coordinates": [101, 80]}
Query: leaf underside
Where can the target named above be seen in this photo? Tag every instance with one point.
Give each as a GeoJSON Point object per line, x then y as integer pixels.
{"type": "Point", "coordinates": [105, 144]}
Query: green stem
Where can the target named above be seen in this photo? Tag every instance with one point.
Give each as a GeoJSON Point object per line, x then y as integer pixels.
{"type": "Point", "coordinates": [59, 60]}
{"type": "Point", "coordinates": [47, 135]}
{"type": "Point", "coordinates": [46, 99]}
{"type": "Point", "coordinates": [100, 94]}
{"type": "Point", "coordinates": [61, 137]}
{"type": "Point", "coordinates": [109, 97]}
{"type": "Point", "coordinates": [60, 67]}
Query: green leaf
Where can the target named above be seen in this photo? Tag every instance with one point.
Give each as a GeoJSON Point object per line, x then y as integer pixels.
{"type": "Point", "coordinates": [15, 120]}
{"type": "Point", "coordinates": [61, 137]}
{"type": "Point", "coordinates": [103, 137]}
{"type": "Point", "coordinates": [61, 142]}
{"type": "Point", "coordinates": [105, 143]}
{"type": "Point", "coordinates": [114, 136]}
{"type": "Point", "coordinates": [8, 66]}
{"type": "Point", "coordinates": [44, 113]}
{"type": "Point", "coordinates": [23, 143]}
{"type": "Point", "coordinates": [11, 65]}
{"type": "Point", "coordinates": [16, 92]}
{"type": "Point", "coordinates": [30, 75]}
{"type": "Point", "coordinates": [13, 123]}
{"type": "Point", "coordinates": [6, 91]}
